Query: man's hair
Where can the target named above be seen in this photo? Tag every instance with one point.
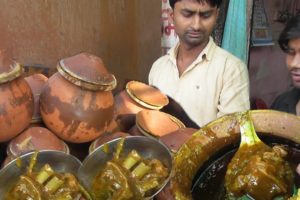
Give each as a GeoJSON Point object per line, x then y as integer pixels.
{"type": "Point", "coordinates": [290, 31]}
{"type": "Point", "coordinates": [213, 3]}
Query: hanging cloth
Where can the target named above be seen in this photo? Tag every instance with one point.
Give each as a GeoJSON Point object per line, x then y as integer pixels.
{"type": "Point", "coordinates": [235, 38]}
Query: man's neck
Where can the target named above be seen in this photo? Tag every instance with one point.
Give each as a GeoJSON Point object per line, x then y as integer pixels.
{"type": "Point", "coordinates": [187, 55]}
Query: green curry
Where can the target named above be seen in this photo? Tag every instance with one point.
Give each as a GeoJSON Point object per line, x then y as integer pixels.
{"type": "Point", "coordinates": [129, 178]}
{"type": "Point", "coordinates": [46, 184]}
{"type": "Point", "coordinates": [257, 170]}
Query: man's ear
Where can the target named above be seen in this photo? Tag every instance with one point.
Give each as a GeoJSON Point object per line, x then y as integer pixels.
{"type": "Point", "coordinates": [171, 16]}
{"type": "Point", "coordinates": [218, 12]}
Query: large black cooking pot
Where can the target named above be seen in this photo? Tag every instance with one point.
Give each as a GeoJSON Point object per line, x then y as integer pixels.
{"type": "Point", "coordinates": [200, 164]}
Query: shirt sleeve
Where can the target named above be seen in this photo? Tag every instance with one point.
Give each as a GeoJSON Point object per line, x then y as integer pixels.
{"type": "Point", "coordinates": [154, 72]}
{"type": "Point", "coordinates": [150, 76]}
{"type": "Point", "coordinates": [234, 95]}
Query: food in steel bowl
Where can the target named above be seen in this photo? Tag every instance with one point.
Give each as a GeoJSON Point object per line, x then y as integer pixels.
{"type": "Point", "coordinates": [106, 137]}
{"type": "Point", "coordinates": [129, 177]}
{"type": "Point", "coordinates": [135, 167]}
{"type": "Point", "coordinates": [32, 177]}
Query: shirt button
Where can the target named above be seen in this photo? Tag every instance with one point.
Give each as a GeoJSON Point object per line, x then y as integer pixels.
{"type": "Point", "coordinates": [197, 87]}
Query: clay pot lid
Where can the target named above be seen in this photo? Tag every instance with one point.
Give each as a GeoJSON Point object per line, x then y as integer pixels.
{"type": "Point", "coordinates": [9, 69]}
{"type": "Point", "coordinates": [156, 123]}
{"type": "Point", "coordinates": [35, 138]}
{"type": "Point", "coordinates": [146, 95]}
{"type": "Point", "coordinates": [87, 71]}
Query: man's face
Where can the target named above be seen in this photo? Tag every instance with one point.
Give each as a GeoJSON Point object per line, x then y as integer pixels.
{"type": "Point", "coordinates": [293, 61]}
{"type": "Point", "coordinates": [194, 21]}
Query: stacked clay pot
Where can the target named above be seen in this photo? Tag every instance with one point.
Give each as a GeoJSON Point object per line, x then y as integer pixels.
{"type": "Point", "coordinates": [136, 97]}
{"type": "Point", "coordinates": [177, 138]}
{"type": "Point", "coordinates": [77, 103]}
{"type": "Point", "coordinates": [154, 123]}
{"type": "Point", "coordinates": [16, 102]}
{"type": "Point", "coordinates": [36, 83]}
{"type": "Point", "coordinates": [34, 139]}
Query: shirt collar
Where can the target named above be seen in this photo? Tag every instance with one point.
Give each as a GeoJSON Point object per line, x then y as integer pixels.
{"type": "Point", "coordinates": [207, 52]}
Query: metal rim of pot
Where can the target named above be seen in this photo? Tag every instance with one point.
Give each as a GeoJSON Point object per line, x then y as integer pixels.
{"type": "Point", "coordinates": [141, 102]}
{"type": "Point", "coordinates": [101, 85]}
{"type": "Point", "coordinates": [13, 74]}
{"type": "Point", "coordinates": [220, 133]}
{"type": "Point", "coordinates": [36, 120]}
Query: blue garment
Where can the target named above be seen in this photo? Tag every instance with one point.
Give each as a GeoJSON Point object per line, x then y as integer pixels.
{"type": "Point", "coordinates": [235, 30]}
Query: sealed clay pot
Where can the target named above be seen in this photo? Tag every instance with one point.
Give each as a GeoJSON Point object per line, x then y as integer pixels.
{"type": "Point", "coordinates": [35, 138]}
{"type": "Point", "coordinates": [77, 103]}
{"type": "Point", "coordinates": [106, 137]}
{"type": "Point", "coordinates": [36, 83]}
{"type": "Point", "coordinates": [154, 123]}
{"type": "Point", "coordinates": [219, 135]}
{"type": "Point", "coordinates": [175, 139]}
{"type": "Point", "coordinates": [16, 102]}
{"type": "Point", "coordinates": [137, 96]}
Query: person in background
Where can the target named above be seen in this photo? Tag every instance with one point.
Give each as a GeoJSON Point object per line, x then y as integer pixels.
{"type": "Point", "coordinates": [289, 42]}
{"type": "Point", "coordinates": [204, 79]}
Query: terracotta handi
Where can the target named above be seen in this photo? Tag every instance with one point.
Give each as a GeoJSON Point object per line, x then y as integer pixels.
{"type": "Point", "coordinates": [77, 103]}
{"type": "Point", "coordinates": [136, 97]}
{"type": "Point", "coordinates": [36, 83]}
{"type": "Point", "coordinates": [16, 102]}
{"type": "Point", "coordinates": [218, 134]}
{"type": "Point", "coordinates": [154, 123]}
{"type": "Point", "coordinates": [33, 139]}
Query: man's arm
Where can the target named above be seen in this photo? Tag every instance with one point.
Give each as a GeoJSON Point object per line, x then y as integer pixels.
{"type": "Point", "coordinates": [234, 95]}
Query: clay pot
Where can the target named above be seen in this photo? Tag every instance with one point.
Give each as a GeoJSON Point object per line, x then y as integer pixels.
{"type": "Point", "coordinates": [36, 83]}
{"type": "Point", "coordinates": [106, 137]}
{"type": "Point", "coordinates": [77, 103]}
{"type": "Point", "coordinates": [136, 97]}
{"type": "Point", "coordinates": [177, 138]}
{"type": "Point", "coordinates": [219, 135]}
{"type": "Point", "coordinates": [154, 123]}
{"type": "Point", "coordinates": [16, 102]}
{"type": "Point", "coordinates": [35, 138]}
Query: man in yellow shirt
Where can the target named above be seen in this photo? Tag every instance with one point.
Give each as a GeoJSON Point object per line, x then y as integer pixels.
{"type": "Point", "coordinates": [205, 80]}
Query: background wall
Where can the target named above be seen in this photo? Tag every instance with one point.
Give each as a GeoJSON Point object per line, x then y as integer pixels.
{"type": "Point", "coordinates": [125, 34]}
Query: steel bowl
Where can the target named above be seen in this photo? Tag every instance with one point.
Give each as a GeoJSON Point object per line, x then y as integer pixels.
{"type": "Point", "coordinates": [145, 146]}
{"type": "Point", "coordinates": [59, 161]}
